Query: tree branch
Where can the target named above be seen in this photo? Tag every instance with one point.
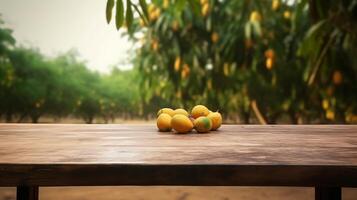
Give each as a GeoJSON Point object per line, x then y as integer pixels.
{"type": "Point", "coordinates": [258, 113]}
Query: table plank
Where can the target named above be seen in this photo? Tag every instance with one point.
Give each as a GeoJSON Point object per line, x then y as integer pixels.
{"type": "Point", "coordinates": [287, 155]}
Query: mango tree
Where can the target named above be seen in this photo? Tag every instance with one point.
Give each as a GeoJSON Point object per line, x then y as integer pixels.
{"type": "Point", "coordinates": [265, 56]}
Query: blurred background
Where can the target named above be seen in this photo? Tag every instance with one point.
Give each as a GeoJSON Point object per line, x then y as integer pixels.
{"type": "Point", "coordinates": [269, 61]}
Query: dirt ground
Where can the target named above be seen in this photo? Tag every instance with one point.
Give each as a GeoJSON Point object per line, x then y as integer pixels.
{"type": "Point", "coordinates": [176, 193]}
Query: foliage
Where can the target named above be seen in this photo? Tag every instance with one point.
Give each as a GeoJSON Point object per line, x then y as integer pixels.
{"type": "Point", "coordinates": [33, 85]}
{"type": "Point", "coordinates": [6, 73]}
{"type": "Point", "coordinates": [267, 60]}
{"type": "Point", "coordinates": [277, 58]}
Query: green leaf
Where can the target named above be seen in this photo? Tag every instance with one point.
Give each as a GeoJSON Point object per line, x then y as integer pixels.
{"type": "Point", "coordinates": [247, 30]}
{"type": "Point", "coordinates": [256, 27]}
{"type": "Point", "coordinates": [180, 5]}
{"type": "Point", "coordinates": [315, 28]}
{"type": "Point", "coordinates": [209, 23]}
{"type": "Point", "coordinates": [299, 13]}
{"type": "Point", "coordinates": [109, 9]}
{"type": "Point", "coordinates": [119, 18]}
{"type": "Point", "coordinates": [195, 6]}
{"type": "Point", "coordinates": [129, 15]}
{"type": "Point", "coordinates": [159, 23]}
{"type": "Point", "coordinates": [310, 43]}
{"type": "Point", "coordinates": [144, 7]}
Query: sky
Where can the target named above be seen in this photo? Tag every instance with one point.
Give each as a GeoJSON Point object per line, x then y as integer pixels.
{"type": "Point", "coordinates": [56, 26]}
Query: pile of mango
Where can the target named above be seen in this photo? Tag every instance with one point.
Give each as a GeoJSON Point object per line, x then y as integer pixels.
{"type": "Point", "coordinates": [200, 118]}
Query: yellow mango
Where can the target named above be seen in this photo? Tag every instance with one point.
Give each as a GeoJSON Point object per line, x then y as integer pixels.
{"type": "Point", "coordinates": [203, 124]}
{"type": "Point", "coordinates": [216, 119]}
{"type": "Point", "coordinates": [199, 111]}
{"type": "Point", "coordinates": [167, 111]}
{"type": "Point", "coordinates": [181, 111]}
{"type": "Point", "coordinates": [181, 123]}
{"type": "Point", "coordinates": [164, 122]}
{"type": "Point", "coordinates": [337, 77]}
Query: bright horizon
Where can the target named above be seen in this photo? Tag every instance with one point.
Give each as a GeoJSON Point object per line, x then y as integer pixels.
{"type": "Point", "coordinates": [57, 26]}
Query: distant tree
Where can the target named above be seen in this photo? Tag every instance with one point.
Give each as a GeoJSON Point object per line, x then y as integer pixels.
{"type": "Point", "coordinates": [119, 92]}
{"type": "Point", "coordinates": [67, 84]}
{"type": "Point", "coordinates": [7, 42]}
{"type": "Point", "coordinates": [31, 84]}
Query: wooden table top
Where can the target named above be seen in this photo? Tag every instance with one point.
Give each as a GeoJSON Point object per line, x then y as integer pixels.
{"type": "Point", "coordinates": [56, 155]}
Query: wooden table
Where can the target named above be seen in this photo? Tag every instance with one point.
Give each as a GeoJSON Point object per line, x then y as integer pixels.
{"type": "Point", "coordinates": [320, 156]}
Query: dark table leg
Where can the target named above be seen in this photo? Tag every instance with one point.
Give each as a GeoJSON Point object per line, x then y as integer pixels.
{"type": "Point", "coordinates": [327, 193]}
{"type": "Point", "coordinates": [27, 193]}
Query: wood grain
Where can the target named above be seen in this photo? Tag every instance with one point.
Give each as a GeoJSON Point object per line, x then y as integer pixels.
{"type": "Point", "coordinates": [281, 155]}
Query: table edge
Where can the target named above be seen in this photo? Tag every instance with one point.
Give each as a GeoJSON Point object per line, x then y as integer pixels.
{"type": "Point", "coordinates": [173, 174]}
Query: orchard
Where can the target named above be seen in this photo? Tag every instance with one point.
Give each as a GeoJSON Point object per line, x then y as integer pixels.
{"type": "Point", "coordinates": [33, 86]}
{"type": "Point", "coordinates": [265, 62]}
{"type": "Point", "coordinates": [258, 61]}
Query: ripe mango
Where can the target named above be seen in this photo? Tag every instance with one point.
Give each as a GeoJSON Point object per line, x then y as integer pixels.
{"type": "Point", "coordinates": [199, 110]}
{"type": "Point", "coordinates": [181, 111]}
{"type": "Point", "coordinates": [216, 119]}
{"type": "Point", "coordinates": [167, 111]}
{"type": "Point", "coordinates": [337, 77]}
{"type": "Point", "coordinates": [164, 122]}
{"type": "Point", "coordinates": [181, 123]}
{"type": "Point", "coordinates": [203, 124]}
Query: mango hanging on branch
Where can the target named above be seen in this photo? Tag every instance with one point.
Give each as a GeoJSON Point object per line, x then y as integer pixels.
{"type": "Point", "coordinates": [214, 37]}
{"type": "Point", "coordinates": [337, 77]}
{"type": "Point", "coordinates": [177, 64]}
{"type": "Point", "coordinates": [287, 14]}
{"type": "Point", "coordinates": [185, 71]}
{"type": "Point", "coordinates": [154, 12]}
{"type": "Point", "coordinates": [204, 7]}
{"type": "Point", "coordinates": [270, 58]}
{"type": "Point", "coordinates": [255, 16]}
{"type": "Point", "coordinates": [275, 5]}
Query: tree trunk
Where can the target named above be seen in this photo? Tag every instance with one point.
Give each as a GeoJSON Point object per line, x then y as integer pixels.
{"type": "Point", "coordinates": [246, 117]}
{"type": "Point", "coordinates": [272, 119]}
{"type": "Point", "coordinates": [314, 16]}
{"type": "Point", "coordinates": [35, 118]}
{"type": "Point", "coordinates": [21, 118]}
{"type": "Point", "coordinates": [8, 116]}
{"type": "Point", "coordinates": [294, 118]}
{"type": "Point", "coordinates": [106, 119]}
{"type": "Point", "coordinates": [89, 120]}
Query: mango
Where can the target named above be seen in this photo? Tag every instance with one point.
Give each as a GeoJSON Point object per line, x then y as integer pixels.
{"type": "Point", "coordinates": [216, 119]}
{"type": "Point", "coordinates": [164, 122]}
{"type": "Point", "coordinates": [181, 123]}
{"type": "Point", "coordinates": [199, 110]}
{"type": "Point", "coordinates": [203, 124]}
{"type": "Point", "coordinates": [181, 111]}
{"type": "Point", "coordinates": [167, 111]}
